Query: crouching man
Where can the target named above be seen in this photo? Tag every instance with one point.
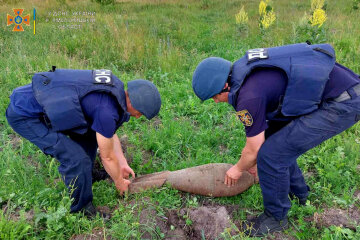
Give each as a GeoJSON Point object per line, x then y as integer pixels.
{"type": "Point", "coordinates": [290, 99]}
{"type": "Point", "coordinates": [68, 114]}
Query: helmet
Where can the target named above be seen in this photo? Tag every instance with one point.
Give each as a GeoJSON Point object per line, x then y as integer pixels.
{"type": "Point", "coordinates": [210, 76]}
{"type": "Point", "coordinates": [144, 97]}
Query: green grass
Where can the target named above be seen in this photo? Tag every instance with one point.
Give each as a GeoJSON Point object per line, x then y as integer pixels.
{"type": "Point", "coordinates": [163, 41]}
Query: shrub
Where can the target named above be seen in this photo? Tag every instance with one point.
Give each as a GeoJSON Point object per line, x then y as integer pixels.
{"type": "Point", "coordinates": [267, 15]}
{"type": "Point", "coordinates": [241, 19]}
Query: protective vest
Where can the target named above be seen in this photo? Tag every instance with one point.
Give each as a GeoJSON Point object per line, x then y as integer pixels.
{"type": "Point", "coordinates": [307, 67]}
{"type": "Point", "coordinates": [59, 93]}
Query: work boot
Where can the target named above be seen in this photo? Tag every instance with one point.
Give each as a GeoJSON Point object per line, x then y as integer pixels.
{"type": "Point", "coordinates": [90, 212]}
{"type": "Point", "coordinates": [264, 224]}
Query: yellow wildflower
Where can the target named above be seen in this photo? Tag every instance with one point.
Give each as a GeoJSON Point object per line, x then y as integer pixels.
{"type": "Point", "coordinates": [318, 18]}
{"type": "Point", "coordinates": [241, 17]}
{"type": "Point", "coordinates": [262, 8]}
{"type": "Point", "coordinates": [317, 4]}
{"type": "Point", "coordinates": [268, 19]}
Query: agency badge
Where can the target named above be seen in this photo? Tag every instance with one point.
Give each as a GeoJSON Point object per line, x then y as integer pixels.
{"type": "Point", "coordinates": [245, 117]}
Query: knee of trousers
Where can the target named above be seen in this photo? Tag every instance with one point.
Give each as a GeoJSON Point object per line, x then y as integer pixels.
{"type": "Point", "coordinates": [76, 166]}
{"type": "Point", "coordinates": [264, 156]}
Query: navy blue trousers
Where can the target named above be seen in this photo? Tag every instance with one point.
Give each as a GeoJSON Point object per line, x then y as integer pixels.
{"type": "Point", "coordinates": [278, 171]}
{"type": "Point", "coordinates": [76, 154]}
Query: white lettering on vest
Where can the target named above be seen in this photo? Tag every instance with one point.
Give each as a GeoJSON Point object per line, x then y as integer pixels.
{"type": "Point", "coordinates": [102, 76]}
{"type": "Point", "coordinates": [255, 54]}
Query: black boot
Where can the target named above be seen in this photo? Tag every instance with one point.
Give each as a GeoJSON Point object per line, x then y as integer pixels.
{"type": "Point", "coordinates": [90, 211]}
{"type": "Point", "coordinates": [264, 224]}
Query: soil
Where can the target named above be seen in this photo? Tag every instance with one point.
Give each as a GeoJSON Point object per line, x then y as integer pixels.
{"type": "Point", "coordinates": [15, 215]}
{"type": "Point", "coordinates": [357, 195]}
{"type": "Point", "coordinates": [15, 140]}
{"type": "Point", "coordinates": [186, 223]}
{"type": "Point", "coordinates": [104, 209]}
{"type": "Point", "coordinates": [280, 236]}
{"type": "Point", "coordinates": [151, 222]}
{"type": "Point", "coordinates": [349, 218]}
{"type": "Point", "coordinates": [197, 223]}
{"type": "Point", "coordinates": [96, 234]}
{"type": "Point", "coordinates": [223, 150]}
{"type": "Point", "coordinates": [34, 162]}
{"type": "Point", "coordinates": [309, 174]}
{"type": "Point", "coordinates": [124, 140]}
{"type": "Point", "coordinates": [156, 122]}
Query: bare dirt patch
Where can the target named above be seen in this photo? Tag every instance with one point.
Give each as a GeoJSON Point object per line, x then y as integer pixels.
{"type": "Point", "coordinates": [15, 140]}
{"type": "Point", "coordinates": [197, 223]}
{"type": "Point", "coordinates": [16, 215]}
{"type": "Point", "coordinates": [223, 150]}
{"type": "Point", "coordinates": [186, 223]}
{"type": "Point", "coordinates": [152, 222]}
{"type": "Point", "coordinates": [357, 195]}
{"type": "Point", "coordinates": [33, 162]}
{"type": "Point", "coordinates": [349, 218]}
{"type": "Point", "coordinates": [124, 140]}
{"type": "Point", "coordinates": [309, 174]}
{"type": "Point", "coordinates": [96, 234]}
{"type": "Point", "coordinates": [104, 209]}
{"type": "Point", "coordinates": [156, 122]}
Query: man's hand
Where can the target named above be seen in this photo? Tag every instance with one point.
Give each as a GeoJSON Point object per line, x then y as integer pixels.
{"type": "Point", "coordinates": [126, 171]}
{"type": "Point", "coordinates": [122, 185]}
{"type": "Point", "coordinates": [232, 176]}
{"type": "Point", "coordinates": [253, 170]}
{"type": "Point", "coordinates": [247, 161]}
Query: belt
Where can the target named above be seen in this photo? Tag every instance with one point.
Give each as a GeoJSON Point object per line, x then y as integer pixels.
{"type": "Point", "coordinates": [346, 95]}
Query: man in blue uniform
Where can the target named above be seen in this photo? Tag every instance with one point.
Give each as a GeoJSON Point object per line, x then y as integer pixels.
{"type": "Point", "coordinates": [290, 99]}
{"type": "Point", "coordinates": [68, 114]}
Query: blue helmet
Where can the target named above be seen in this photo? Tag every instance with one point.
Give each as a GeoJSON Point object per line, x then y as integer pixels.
{"type": "Point", "coordinates": [210, 76]}
{"type": "Point", "coordinates": [144, 97]}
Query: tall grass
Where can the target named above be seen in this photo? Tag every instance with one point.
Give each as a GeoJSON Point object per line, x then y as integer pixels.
{"type": "Point", "coordinates": [162, 41]}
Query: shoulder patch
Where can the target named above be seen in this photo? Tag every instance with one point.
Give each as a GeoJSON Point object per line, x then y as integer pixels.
{"type": "Point", "coordinates": [257, 54]}
{"type": "Point", "coordinates": [102, 76]}
{"type": "Point", "coordinates": [245, 117]}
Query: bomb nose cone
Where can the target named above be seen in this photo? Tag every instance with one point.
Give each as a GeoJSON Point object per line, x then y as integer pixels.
{"type": "Point", "coordinates": [148, 181]}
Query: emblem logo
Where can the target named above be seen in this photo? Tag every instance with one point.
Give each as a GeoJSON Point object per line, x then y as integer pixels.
{"type": "Point", "coordinates": [18, 20]}
{"type": "Point", "coordinates": [245, 117]}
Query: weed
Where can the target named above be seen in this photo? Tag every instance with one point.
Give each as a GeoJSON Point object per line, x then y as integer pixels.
{"type": "Point", "coordinates": [163, 41]}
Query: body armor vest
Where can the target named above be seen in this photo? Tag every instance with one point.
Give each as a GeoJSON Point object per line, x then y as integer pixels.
{"type": "Point", "coordinates": [307, 67]}
{"type": "Point", "coordinates": [59, 93]}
